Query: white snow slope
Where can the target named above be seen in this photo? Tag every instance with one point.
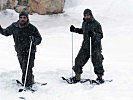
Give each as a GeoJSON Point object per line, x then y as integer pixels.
{"type": "Point", "coordinates": [54, 54]}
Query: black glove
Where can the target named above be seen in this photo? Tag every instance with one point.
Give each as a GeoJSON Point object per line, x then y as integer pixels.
{"type": "Point", "coordinates": [91, 33]}
{"type": "Point", "coordinates": [0, 27]}
{"type": "Point", "coordinates": [72, 28]}
{"type": "Point", "coordinates": [32, 38]}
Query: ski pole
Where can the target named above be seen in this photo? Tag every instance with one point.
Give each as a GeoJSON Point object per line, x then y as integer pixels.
{"type": "Point", "coordinates": [27, 64]}
{"type": "Point", "coordinates": [72, 52]}
{"type": "Point", "coordinates": [20, 90]}
{"type": "Point", "coordinates": [90, 61]}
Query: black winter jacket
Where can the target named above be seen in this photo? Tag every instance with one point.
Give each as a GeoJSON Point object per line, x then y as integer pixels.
{"type": "Point", "coordinates": [21, 36]}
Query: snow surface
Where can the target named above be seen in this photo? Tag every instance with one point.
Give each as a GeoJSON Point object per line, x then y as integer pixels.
{"type": "Point", "coordinates": [54, 54]}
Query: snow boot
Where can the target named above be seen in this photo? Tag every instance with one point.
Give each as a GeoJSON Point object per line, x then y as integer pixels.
{"type": "Point", "coordinates": [30, 82]}
{"type": "Point", "coordinates": [99, 78]}
{"type": "Point", "coordinates": [76, 78]}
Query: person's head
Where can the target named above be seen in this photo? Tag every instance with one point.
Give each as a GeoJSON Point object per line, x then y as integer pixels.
{"type": "Point", "coordinates": [87, 14]}
{"type": "Point", "coordinates": [23, 18]}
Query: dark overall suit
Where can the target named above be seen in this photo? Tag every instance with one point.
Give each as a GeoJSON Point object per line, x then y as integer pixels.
{"type": "Point", "coordinates": [90, 28]}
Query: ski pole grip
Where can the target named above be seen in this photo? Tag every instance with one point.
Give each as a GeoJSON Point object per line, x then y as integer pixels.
{"type": "Point", "coordinates": [32, 38]}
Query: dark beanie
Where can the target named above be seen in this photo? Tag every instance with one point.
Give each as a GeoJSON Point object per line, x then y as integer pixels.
{"type": "Point", "coordinates": [24, 13]}
{"type": "Point", "coordinates": [88, 11]}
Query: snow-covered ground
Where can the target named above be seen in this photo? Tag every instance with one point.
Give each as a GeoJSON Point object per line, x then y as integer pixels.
{"type": "Point", "coordinates": [54, 54]}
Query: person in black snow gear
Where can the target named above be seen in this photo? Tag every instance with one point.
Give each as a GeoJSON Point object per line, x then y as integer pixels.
{"type": "Point", "coordinates": [90, 28]}
{"type": "Point", "coordinates": [23, 33]}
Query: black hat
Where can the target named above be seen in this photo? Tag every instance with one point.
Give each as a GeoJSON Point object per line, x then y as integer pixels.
{"type": "Point", "coordinates": [88, 11]}
{"type": "Point", "coordinates": [24, 13]}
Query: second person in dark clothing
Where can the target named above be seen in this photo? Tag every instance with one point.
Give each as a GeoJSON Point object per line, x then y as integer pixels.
{"type": "Point", "coordinates": [90, 28]}
{"type": "Point", "coordinates": [23, 33]}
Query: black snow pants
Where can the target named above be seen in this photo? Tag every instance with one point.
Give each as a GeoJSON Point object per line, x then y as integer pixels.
{"type": "Point", "coordinates": [23, 58]}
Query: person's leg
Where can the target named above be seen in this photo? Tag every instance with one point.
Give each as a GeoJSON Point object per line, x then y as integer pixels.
{"type": "Point", "coordinates": [30, 76]}
{"type": "Point", "coordinates": [22, 65]}
{"type": "Point", "coordinates": [97, 58]}
{"type": "Point", "coordinates": [80, 61]}
{"type": "Point", "coordinates": [23, 58]}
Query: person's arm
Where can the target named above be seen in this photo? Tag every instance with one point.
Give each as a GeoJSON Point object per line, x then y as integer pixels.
{"type": "Point", "coordinates": [8, 31]}
{"type": "Point", "coordinates": [97, 31]}
{"type": "Point", "coordinates": [76, 30]}
{"type": "Point", "coordinates": [79, 30]}
{"type": "Point", "coordinates": [36, 37]}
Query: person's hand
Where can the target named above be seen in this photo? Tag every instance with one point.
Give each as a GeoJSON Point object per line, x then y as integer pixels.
{"type": "Point", "coordinates": [92, 33]}
{"type": "Point", "coordinates": [32, 38]}
{"type": "Point", "coordinates": [0, 27]}
{"type": "Point", "coordinates": [72, 28]}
